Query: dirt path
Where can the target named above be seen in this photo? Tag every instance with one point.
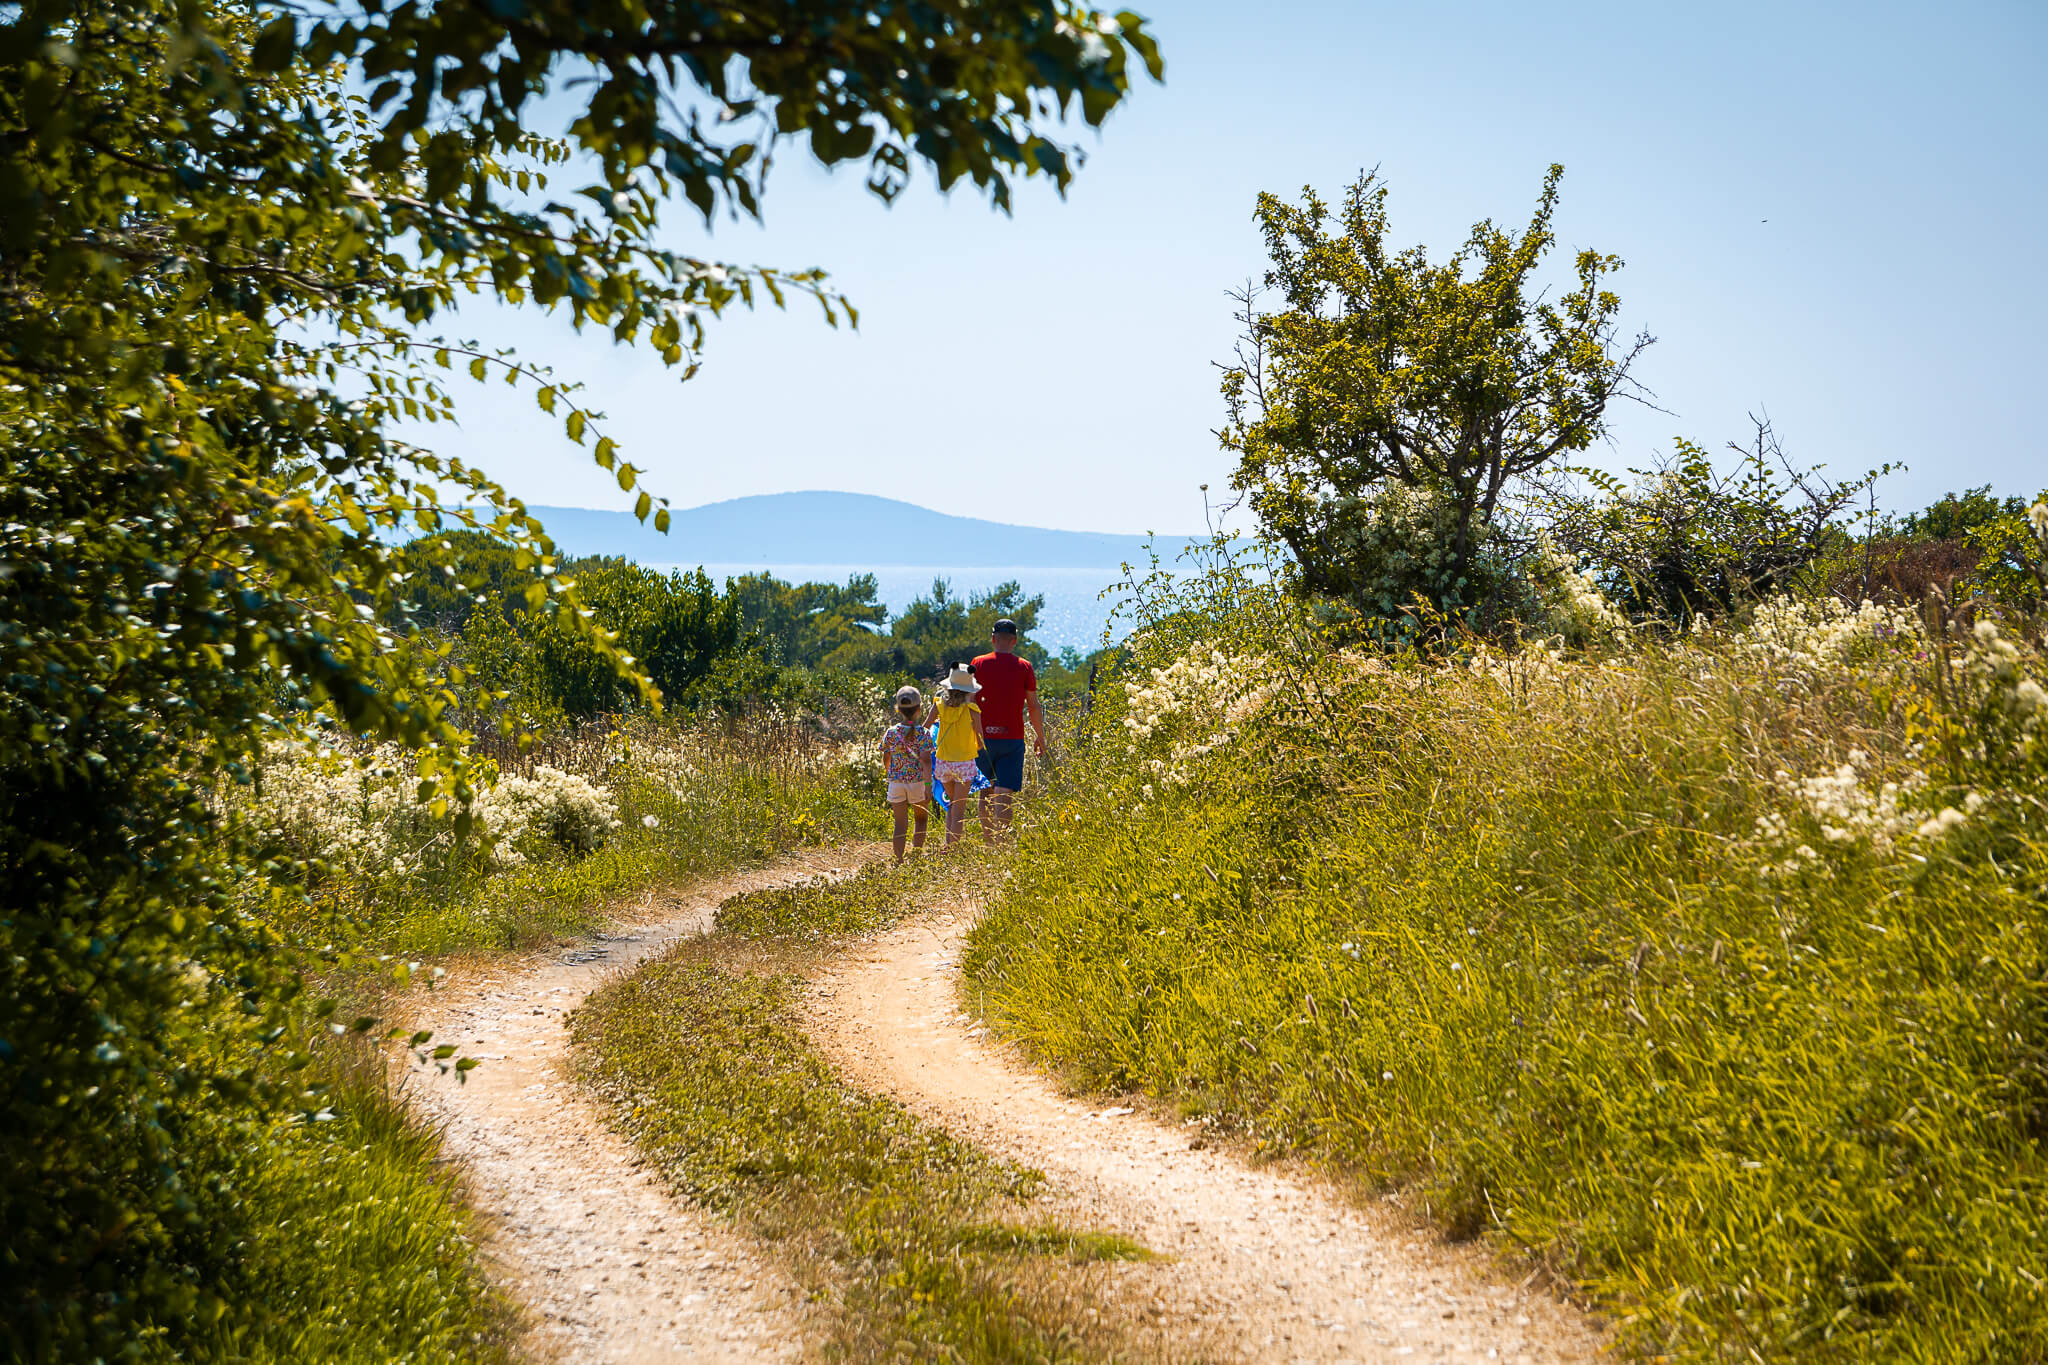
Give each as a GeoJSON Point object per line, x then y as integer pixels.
{"type": "Point", "coordinates": [611, 1267]}
{"type": "Point", "coordinates": [1265, 1266]}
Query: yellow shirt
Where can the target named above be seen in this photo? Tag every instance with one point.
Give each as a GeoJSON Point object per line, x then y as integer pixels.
{"type": "Point", "coordinates": [957, 740]}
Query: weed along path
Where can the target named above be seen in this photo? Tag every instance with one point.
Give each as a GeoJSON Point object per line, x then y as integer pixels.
{"type": "Point", "coordinates": [1259, 1265]}
{"type": "Point", "coordinates": [610, 1266]}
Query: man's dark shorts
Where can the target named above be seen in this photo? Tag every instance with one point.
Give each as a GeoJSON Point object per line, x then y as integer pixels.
{"type": "Point", "coordinates": [1002, 762]}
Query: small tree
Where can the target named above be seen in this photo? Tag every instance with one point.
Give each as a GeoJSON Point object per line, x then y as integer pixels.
{"type": "Point", "coordinates": [1388, 371]}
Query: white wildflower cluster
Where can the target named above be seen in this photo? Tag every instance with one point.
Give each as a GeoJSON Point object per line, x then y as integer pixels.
{"type": "Point", "coordinates": [1852, 807]}
{"type": "Point", "coordinates": [2012, 711]}
{"type": "Point", "coordinates": [667, 766]}
{"type": "Point", "coordinates": [1575, 610]}
{"type": "Point", "coordinates": [1204, 683]}
{"type": "Point", "coordinates": [356, 812]}
{"type": "Point", "coordinates": [572, 813]}
{"type": "Point", "coordinates": [1198, 700]}
{"type": "Point", "coordinates": [361, 812]}
{"type": "Point", "coordinates": [1849, 809]}
{"type": "Point", "coordinates": [1996, 662]}
{"type": "Point", "coordinates": [1810, 638]}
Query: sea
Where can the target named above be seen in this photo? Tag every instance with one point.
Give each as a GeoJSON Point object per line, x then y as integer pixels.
{"type": "Point", "coordinates": [1075, 614]}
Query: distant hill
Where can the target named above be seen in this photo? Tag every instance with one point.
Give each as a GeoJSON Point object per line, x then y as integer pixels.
{"type": "Point", "coordinates": [836, 528]}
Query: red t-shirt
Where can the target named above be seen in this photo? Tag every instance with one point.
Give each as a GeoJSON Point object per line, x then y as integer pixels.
{"type": "Point", "coordinates": [1006, 680]}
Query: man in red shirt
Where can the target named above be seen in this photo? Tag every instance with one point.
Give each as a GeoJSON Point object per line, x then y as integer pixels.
{"type": "Point", "coordinates": [1009, 687]}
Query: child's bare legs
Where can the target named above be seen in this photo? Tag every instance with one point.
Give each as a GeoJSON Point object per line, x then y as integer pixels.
{"type": "Point", "coordinates": [956, 809]}
{"type": "Point", "coordinates": [903, 810]}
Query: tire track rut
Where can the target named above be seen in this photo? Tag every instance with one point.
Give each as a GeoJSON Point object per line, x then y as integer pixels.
{"type": "Point", "coordinates": [1265, 1265]}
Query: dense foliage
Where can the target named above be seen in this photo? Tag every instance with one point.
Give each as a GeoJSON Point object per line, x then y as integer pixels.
{"type": "Point", "coordinates": [1689, 539]}
{"type": "Point", "coordinates": [221, 270]}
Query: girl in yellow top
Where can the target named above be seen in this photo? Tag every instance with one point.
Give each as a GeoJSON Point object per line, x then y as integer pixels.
{"type": "Point", "coordinates": [959, 741]}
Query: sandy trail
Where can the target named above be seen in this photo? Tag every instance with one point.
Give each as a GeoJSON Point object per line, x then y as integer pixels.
{"type": "Point", "coordinates": [1265, 1266]}
{"type": "Point", "coordinates": [610, 1266]}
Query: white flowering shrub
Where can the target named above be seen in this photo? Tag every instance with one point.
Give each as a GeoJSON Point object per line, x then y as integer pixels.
{"type": "Point", "coordinates": [1192, 707]}
{"type": "Point", "coordinates": [359, 812]}
{"type": "Point", "coordinates": [1994, 729]}
{"type": "Point", "coordinates": [355, 812]}
{"type": "Point", "coordinates": [2009, 733]}
{"type": "Point", "coordinates": [1574, 609]}
{"type": "Point", "coordinates": [551, 809]}
{"type": "Point", "coordinates": [1809, 639]}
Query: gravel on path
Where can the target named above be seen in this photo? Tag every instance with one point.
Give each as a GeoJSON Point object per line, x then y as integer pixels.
{"type": "Point", "coordinates": [1262, 1264]}
{"type": "Point", "coordinates": [610, 1266]}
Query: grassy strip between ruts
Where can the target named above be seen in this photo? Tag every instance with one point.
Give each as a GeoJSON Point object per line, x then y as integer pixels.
{"type": "Point", "coordinates": [921, 1242]}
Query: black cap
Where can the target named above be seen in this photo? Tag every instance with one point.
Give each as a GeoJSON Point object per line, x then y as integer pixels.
{"type": "Point", "coordinates": [1003, 626]}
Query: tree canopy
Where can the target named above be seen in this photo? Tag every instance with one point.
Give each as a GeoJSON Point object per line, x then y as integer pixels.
{"type": "Point", "coordinates": [227, 236]}
{"type": "Point", "coordinates": [1384, 370]}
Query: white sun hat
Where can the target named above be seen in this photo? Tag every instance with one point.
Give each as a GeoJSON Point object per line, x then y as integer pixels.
{"type": "Point", "coordinates": [961, 679]}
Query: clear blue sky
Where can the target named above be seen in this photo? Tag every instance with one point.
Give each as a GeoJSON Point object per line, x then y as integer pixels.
{"type": "Point", "coordinates": [1055, 368]}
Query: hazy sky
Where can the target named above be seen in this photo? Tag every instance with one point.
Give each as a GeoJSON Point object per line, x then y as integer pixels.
{"type": "Point", "coordinates": [1830, 212]}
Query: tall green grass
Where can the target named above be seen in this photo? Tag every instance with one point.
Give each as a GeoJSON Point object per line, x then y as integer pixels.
{"type": "Point", "coordinates": [341, 1238]}
{"type": "Point", "coordinates": [1512, 938]}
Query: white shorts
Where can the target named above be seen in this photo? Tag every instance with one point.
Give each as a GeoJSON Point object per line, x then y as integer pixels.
{"type": "Point", "coordinates": [957, 770]}
{"type": "Point", "coordinates": [916, 793]}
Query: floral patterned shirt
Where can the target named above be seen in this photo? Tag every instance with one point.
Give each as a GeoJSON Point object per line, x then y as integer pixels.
{"type": "Point", "coordinates": [907, 753]}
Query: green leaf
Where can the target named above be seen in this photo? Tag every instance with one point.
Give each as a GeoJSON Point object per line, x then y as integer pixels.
{"type": "Point", "coordinates": [477, 368]}
{"type": "Point", "coordinates": [575, 425]}
{"type": "Point", "coordinates": [276, 44]}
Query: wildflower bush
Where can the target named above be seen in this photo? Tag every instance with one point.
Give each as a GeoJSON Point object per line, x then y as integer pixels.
{"type": "Point", "coordinates": [554, 834]}
{"type": "Point", "coordinates": [1711, 974]}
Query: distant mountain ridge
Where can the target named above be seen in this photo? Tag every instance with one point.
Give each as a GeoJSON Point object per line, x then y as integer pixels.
{"type": "Point", "coordinates": [840, 529]}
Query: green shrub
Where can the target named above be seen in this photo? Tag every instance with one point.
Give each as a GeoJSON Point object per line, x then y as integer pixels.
{"type": "Point", "coordinates": [1717, 977]}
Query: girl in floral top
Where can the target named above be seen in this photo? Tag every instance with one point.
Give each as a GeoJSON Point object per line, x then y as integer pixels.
{"type": "Point", "coordinates": [907, 752]}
